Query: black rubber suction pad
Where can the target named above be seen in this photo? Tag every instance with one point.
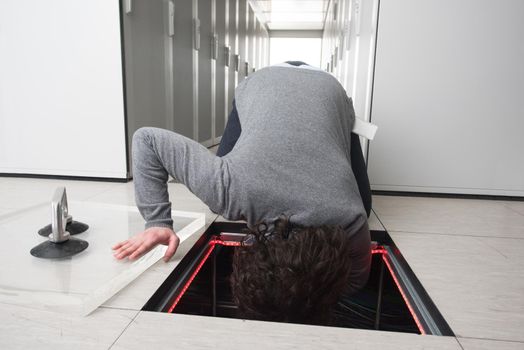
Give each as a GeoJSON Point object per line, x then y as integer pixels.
{"type": "Point", "coordinates": [50, 250]}
{"type": "Point", "coordinates": [74, 228]}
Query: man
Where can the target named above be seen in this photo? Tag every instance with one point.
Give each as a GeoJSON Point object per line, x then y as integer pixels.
{"type": "Point", "coordinates": [289, 174]}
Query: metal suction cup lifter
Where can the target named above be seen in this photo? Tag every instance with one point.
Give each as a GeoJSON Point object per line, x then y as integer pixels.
{"type": "Point", "coordinates": [60, 243]}
{"type": "Point", "coordinates": [72, 227]}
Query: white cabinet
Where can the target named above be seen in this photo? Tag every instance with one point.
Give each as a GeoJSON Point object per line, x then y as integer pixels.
{"type": "Point", "coordinates": [61, 89]}
{"type": "Point", "coordinates": [447, 97]}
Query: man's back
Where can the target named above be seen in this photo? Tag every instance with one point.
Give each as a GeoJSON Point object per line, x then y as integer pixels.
{"type": "Point", "coordinates": [293, 155]}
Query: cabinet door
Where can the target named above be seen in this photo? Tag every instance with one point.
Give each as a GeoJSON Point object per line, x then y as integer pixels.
{"type": "Point", "coordinates": [221, 88]}
{"type": "Point", "coordinates": [233, 43]}
{"type": "Point", "coordinates": [148, 62]}
{"type": "Point", "coordinates": [265, 48]}
{"type": "Point", "coordinates": [205, 85]}
{"type": "Point", "coordinates": [251, 40]}
{"type": "Point", "coordinates": [258, 53]}
{"type": "Point", "coordinates": [183, 69]}
{"type": "Point", "coordinates": [242, 38]}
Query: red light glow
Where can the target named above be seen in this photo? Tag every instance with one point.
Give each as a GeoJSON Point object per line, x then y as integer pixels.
{"type": "Point", "coordinates": [225, 243]}
{"type": "Point", "coordinates": [193, 275]}
{"type": "Point", "coordinates": [378, 251]}
{"type": "Point", "coordinates": [216, 240]}
{"type": "Point", "coordinates": [408, 304]}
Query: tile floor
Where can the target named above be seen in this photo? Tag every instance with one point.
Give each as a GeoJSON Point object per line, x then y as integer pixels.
{"type": "Point", "coordinates": [469, 254]}
{"type": "Point", "coordinates": [189, 332]}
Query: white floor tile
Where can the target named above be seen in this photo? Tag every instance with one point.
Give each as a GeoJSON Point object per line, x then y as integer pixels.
{"type": "Point", "coordinates": [4, 211]}
{"type": "Point", "coordinates": [483, 344]}
{"type": "Point", "coordinates": [374, 223]}
{"type": "Point", "coordinates": [476, 282]}
{"type": "Point", "coordinates": [449, 216]}
{"type": "Point", "coordinates": [166, 331]}
{"type": "Point", "coordinates": [516, 206]}
{"type": "Point", "coordinates": [22, 328]}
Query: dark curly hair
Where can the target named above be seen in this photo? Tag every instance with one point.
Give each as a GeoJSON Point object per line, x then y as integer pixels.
{"type": "Point", "coordinates": [291, 274]}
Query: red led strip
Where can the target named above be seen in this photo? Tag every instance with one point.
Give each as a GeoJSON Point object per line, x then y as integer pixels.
{"type": "Point", "coordinates": [216, 241]}
{"type": "Point", "coordinates": [410, 308]}
{"type": "Point", "coordinates": [193, 275]}
{"type": "Point", "coordinates": [225, 243]}
{"type": "Point", "coordinates": [212, 244]}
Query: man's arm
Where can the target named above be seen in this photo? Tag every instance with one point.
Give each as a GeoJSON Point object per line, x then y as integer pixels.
{"type": "Point", "coordinates": [158, 153]}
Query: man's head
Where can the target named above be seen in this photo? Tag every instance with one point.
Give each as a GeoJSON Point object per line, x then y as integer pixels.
{"type": "Point", "coordinates": [291, 275]}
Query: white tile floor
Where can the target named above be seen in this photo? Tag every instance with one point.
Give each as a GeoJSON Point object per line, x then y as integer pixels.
{"type": "Point", "coordinates": [189, 332]}
{"type": "Point", "coordinates": [469, 254]}
{"type": "Point", "coordinates": [477, 344]}
{"type": "Point", "coordinates": [451, 216]}
{"type": "Point", "coordinates": [477, 287]}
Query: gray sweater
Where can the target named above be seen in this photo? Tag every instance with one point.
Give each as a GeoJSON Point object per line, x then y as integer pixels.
{"type": "Point", "coordinates": [292, 158]}
{"type": "Point", "coordinates": [293, 155]}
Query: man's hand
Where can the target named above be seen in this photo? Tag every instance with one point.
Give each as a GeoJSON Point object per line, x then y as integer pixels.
{"type": "Point", "coordinates": [143, 242]}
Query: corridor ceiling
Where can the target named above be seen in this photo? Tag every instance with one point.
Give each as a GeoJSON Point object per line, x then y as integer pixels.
{"type": "Point", "coordinates": [292, 14]}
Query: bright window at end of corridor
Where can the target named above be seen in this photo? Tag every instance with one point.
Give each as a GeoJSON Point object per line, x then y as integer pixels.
{"type": "Point", "coordinates": [295, 49]}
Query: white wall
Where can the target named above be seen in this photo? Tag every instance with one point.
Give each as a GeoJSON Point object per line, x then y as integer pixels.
{"type": "Point", "coordinates": [448, 87]}
{"type": "Point", "coordinates": [61, 98]}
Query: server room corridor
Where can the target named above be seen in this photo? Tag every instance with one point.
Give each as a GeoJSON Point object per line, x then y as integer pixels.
{"type": "Point", "coordinates": [84, 88]}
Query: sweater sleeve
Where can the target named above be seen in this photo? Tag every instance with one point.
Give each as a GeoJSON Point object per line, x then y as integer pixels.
{"type": "Point", "coordinates": [158, 153]}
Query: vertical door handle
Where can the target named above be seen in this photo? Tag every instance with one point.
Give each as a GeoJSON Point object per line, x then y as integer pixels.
{"type": "Point", "coordinates": [214, 46]}
{"type": "Point", "coordinates": [237, 63]}
{"type": "Point", "coordinates": [347, 34]}
{"type": "Point", "coordinates": [196, 33]}
{"type": "Point", "coordinates": [128, 6]}
{"type": "Point", "coordinates": [171, 18]}
{"type": "Point", "coordinates": [342, 44]}
{"type": "Point", "coordinates": [227, 55]}
{"type": "Point", "coordinates": [358, 12]}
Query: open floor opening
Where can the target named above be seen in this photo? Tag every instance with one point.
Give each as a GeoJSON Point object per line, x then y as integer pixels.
{"type": "Point", "coordinates": [392, 300]}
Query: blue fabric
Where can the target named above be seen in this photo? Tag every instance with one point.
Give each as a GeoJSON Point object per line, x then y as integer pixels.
{"type": "Point", "coordinates": [231, 133]}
